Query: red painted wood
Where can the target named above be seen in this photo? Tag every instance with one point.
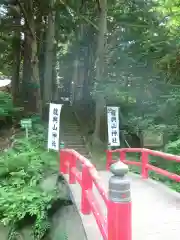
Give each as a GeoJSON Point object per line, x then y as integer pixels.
{"type": "Point", "coordinates": [62, 165]}
{"type": "Point", "coordinates": [118, 213]}
{"type": "Point", "coordinates": [166, 156]}
{"type": "Point", "coordinates": [144, 161]}
{"type": "Point", "coordinates": [78, 175]}
{"type": "Point", "coordinates": [119, 221]}
{"type": "Point", "coordinates": [96, 210]}
{"type": "Point", "coordinates": [72, 164]}
{"type": "Point", "coordinates": [108, 159]}
{"type": "Point", "coordinates": [129, 162]}
{"type": "Point", "coordinates": [165, 173]}
{"type": "Point", "coordinates": [86, 186]}
{"type": "Point", "coordinates": [122, 155]}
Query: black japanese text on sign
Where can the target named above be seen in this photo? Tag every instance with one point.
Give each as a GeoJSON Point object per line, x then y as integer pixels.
{"type": "Point", "coordinates": [54, 128]}
{"type": "Point", "coordinates": [114, 126]}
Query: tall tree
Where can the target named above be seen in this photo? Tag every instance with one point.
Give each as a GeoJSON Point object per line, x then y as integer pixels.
{"type": "Point", "coordinates": [31, 79]}
{"type": "Point", "coordinates": [49, 53]}
{"type": "Point", "coordinates": [100, 64]}
{"type": "Point", "coordinates": [16, 52]}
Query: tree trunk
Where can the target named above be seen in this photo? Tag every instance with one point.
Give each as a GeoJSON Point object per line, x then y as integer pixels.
{"type": "Point", "coordinates": [49, 55]}
{"type": "Point", "coordinates": [54, 76]}
{"type": "Point", "coordinates": [31, 65]}
{"type": "Point", "coordinates": [35, 77]}
{"type": "Point", "coordinates": [100, 57]}
{"type": "Point", "coordinates": [25, 90]}
{"type": "Point", "coordinates": [41, 49]}
{"type": "Point", "coordinates": [89, 65]}
{"type": "Point", "coordinates": [74, 79]}
{"type": "Point", "coordinates": [16, 49]}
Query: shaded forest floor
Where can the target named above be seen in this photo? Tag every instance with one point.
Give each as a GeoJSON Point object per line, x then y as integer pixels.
{"type": "Point", "coordinates": [6, 138]}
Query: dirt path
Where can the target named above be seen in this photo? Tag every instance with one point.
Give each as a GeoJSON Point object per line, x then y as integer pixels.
{"type": "Point", "coordinates": [5, 138]}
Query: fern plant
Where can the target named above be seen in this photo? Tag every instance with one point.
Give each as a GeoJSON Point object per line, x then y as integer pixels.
{"type": "Point", "coordinates": [21, 171]}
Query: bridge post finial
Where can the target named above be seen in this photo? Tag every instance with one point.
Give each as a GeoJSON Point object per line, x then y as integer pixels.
{"type": "Point", "coordinates": [119, 208]}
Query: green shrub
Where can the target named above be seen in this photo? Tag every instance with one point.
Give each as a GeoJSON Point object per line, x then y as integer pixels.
{"type": "Point", "coordinates": [21, 171]}
{"type": "Point", "coordinates": [7, 109]}
{"type": "Point", "coordinates": [6, 104]}
{"type": "Point", "coordinates": [173, 147]}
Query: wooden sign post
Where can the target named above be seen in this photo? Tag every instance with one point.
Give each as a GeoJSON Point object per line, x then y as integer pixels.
{"type": "Point", "coordinates": [26, 124]}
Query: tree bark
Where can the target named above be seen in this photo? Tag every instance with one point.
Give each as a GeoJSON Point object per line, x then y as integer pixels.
{"type": "Point", "coordinates": [16, 50]}
{"type": "Point", "coordinates": [31, 65]}
{"type": "Point", "coordinates": [49, 55]}
{"type": "Point", "coordinates": [40, 50]}
{"type": "Point", "coordinates": [100, 61]}
{"type": "Point", "coordinates": [54, 76]}
{"type": "Point", "coordinates": [25, 90]}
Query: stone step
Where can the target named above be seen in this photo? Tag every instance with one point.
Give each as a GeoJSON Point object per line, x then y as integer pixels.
{"type": "Point", "coordinates": [67, 130]}
{"type": "Point", "coordinates": [66, 123]}
{"type": "Point", "coordinates": [70, 124]}
{"type": "Point", "coordinates": [77, 141]}
{"type": "Point", "coordinates": [70, 134]}
{"type": "Point", "coordinates": [71, 127]}
{"type": "Point", "coordinates": [76, 145]}
{"type": "Point", "coordinates": [83, 153]}
{"type": "Point", "coordinates": [66, 127]}
{"type": "Point", "coordinates": [73, 141]}
{"type": "Point", "coordinates": [70, 144]}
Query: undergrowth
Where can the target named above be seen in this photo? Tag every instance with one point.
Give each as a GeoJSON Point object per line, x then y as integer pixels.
{"type": "Point", "coordinates": [6, 105]}
{"type": "Point", "coordinates": [21, 170]}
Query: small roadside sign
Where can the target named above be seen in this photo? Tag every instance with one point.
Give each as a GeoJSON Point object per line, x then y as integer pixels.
{"type": "Point", "coordinates": [26, 124]}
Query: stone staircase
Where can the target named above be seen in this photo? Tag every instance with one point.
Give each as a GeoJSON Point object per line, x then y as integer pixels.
{"type": "Point", "coordinates": [70, 132]}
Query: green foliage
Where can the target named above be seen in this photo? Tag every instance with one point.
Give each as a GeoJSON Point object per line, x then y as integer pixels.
{"type": "Point", "coordinates": [6, 105]}
{"type": "Point", "coordinates": [173, 147]}
{"type": "Point", "coordinates": [21, 172]}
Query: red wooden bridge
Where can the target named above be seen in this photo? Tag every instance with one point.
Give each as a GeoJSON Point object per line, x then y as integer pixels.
{"type": "Point", "coordinates": [118, 205]}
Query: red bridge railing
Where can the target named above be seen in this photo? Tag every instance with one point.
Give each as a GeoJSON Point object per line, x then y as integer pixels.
{"type": "Point", "coordinates": [144, 163]}
{"type": "Point", "coordinates": [117, 224]}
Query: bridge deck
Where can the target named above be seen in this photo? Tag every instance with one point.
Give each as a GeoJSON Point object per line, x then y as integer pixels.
{"type": "Point", "coordinates": [155, 210]}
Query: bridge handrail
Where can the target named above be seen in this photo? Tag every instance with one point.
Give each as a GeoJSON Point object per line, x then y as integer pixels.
{"type": "Point", "coordinates": [144, 163]}
{"type": "Point", "coordinates": [117, 202]}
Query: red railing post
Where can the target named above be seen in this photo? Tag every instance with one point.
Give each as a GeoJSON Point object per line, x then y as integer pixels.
{"type": "Point", "coordinates": [122, 155]}
{"type": "Point", "coordinates": [72, 164]}
{"type": "Point", "coordinates": [108, 159]}
{"type": "Point", "coordinates": [145, 160]}
{"type": "Point", "coordinates": [119, 206]}
{"type": "Point", "coordinates": [86, 186]}
{"type": "Point", "coordinates": [63, 157]}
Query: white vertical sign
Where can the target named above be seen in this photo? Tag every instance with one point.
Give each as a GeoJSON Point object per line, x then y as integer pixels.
{"type": "Point", "coordinates": [113, 126]}
{"type": "Point", "coordinates": [54, 126]}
